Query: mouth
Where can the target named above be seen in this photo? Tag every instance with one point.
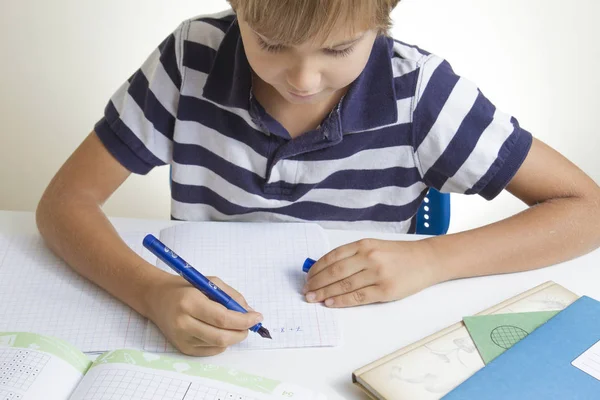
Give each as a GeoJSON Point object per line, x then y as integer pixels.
{"type": "Point", "coordinates": [302, 96]}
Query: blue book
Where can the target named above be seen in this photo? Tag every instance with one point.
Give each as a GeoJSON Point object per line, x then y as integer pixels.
{"type": "Point", "coordinates": [540, 366]}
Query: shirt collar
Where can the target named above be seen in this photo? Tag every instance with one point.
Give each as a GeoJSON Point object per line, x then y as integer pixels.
{"type": "Point", "coordinates": [370, 102]}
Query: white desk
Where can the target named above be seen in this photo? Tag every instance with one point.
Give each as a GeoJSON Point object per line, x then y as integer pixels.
{"type": "Point", "coordinates": [373, 331]}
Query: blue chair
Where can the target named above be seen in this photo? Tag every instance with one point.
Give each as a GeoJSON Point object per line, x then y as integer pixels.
{"type": "Point", "coordinates": [433, 217]}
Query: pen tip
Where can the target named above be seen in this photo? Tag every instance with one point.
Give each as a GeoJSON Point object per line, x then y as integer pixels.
{"type": "Point", "coordinates": [263, 332]}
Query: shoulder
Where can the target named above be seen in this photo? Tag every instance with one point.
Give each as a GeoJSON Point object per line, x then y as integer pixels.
{"type": "Point", "coordinates": [208, 30]}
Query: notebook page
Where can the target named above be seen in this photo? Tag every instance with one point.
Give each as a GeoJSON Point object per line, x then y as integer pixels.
{"type": "Point", "coordinates": [40, 293]}
{"type": "Point", "coordinates": [263, 262]}
{"type": "Point", "coordinates": [130, 374]}
{"type": "Point", "coordinates": [35, 367]}
{"type": "Point", "coordinates": [589, 361]}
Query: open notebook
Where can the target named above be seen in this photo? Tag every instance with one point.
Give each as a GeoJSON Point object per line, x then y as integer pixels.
{"type": "Point", "coordinates": [40, 294]}
{"type": "Point", "coordinates": [36, 367]}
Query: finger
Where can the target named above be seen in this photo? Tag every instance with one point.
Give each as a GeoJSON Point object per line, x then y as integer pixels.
{"type": "Point", "coordinates": [360, 280]}
{"type": "Point", "coordinates": [213, 313]}
{"type": "Point", "coordinates": [209, 335]}
{"type": "Point", "coordinates": [333, 256]}
{"type": "Point", "coordinates": [333, 273]}
{"type": "Point", "coordinates": [237, 296]}
{"type": "Point", "coordinates": [367, 295]}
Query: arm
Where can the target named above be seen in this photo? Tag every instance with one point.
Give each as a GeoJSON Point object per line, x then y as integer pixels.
{"type": "Point", "coordinates": [70, 219]}
{"type": "Point", "coordinates": [560, 224]}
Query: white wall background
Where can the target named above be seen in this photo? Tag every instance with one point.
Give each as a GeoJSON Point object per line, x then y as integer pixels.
{"type": "Point", "coordinates": [61, 60]}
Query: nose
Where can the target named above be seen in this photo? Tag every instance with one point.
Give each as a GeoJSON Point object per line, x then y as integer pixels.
{"type": "Point", "coordinates": [303, 78]}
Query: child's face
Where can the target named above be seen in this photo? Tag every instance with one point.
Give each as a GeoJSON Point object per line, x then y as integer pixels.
{"type": "Point", "coordinates": [311, 72]}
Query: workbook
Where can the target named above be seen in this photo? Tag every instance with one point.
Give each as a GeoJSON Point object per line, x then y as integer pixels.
{"type": "Point", "coordinates": [39, 293]}
{"type": "Point", "coordinates": [433, 366]}
{"type": "Point", "coordinates": [34, 367]}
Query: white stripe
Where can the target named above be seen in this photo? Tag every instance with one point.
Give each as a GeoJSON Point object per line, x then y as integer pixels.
{"type": "Point", "coordinates": [194, 82]}
{"type": "Point", "coordinates": [453, 113]}
{"type": "Point", "coordinates": [133, 117]}
{"type": "Point", "coordinates": [234, 151]}
{"type": "Point", "coordinates": [483, 155]}
{"type": "Point", "coordinates": [194, 85]}
{"type": "Point", "coordinates": [160, 83]}
{"type": "Point", "coordinates": [427, 69]}
{"type": "Point", "coordinates": [355, 198]}
{"type": "Point", "coordinates": [316, 171]}
{"type": "Point", "coordinates": [347, 198]}
{"type": "Point", "coordinates": [407, 52]}
{"type": "Point", "coordinates": [203, 212]}
{"type": "Point", "coordinates": [204, 33]}
{"type": "Point", "coordinates": [403, 66]}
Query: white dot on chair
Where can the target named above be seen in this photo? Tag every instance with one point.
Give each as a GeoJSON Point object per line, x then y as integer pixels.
{"type": "Point", "coordinates": [426, 216]}
{"type": "Point", "coordinates": [426, 199]}
{"type": "Point", "coordinates": [426, 208]}
{"type": "Point", "coordinates": [426, 224]}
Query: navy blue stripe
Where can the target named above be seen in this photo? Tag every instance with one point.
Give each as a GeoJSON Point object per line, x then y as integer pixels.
{"type": "Point", "coordinates": [198, 56]}
{"type": "Point", "coordinates": [168, 59]}
{"type": "Point", "coordinates": [391, 136]}
{"type": "Point", "coordinates": [253, 183]}
{"type": "Point", "coordinates": [222, 23]}
{"type": "Point", "coordinates": [153, 110]}
{"type": "Point", "coordinates": [123, 144]}
{"type": "Point", "coordinates": [307, 210]}
{"type": "Point", "coordinates": [510, 157]}
{"type": "Point", "coordinates": [434, 98]}
{"type": "Point", "coordinates": [225, 122]}
{"type": "Point", "coordinates": [462, 144]}
{"type": "Point", "coordinates": [404, 85]}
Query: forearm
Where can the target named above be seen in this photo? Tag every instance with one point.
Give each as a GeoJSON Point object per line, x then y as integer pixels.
{"type": "Point", "coordinates": [549, 233]}
{"type": "Point", "coordinates": [78, 231]}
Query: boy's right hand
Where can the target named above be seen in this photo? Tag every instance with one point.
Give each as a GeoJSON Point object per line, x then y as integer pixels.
{"type": "Point", "coordinates": [192, 322]}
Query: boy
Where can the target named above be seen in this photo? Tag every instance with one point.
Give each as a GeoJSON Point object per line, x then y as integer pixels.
{"type": "Point", "coordinates": [287, 110]}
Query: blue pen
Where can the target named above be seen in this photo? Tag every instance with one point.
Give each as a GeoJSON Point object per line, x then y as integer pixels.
{"type": "Point", "coordinates": [199, 281]}
{"type": "Point", "coordinates": [308, 263]}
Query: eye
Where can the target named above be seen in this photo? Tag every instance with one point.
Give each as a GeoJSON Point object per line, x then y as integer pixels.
{"type": "Point", "coordinates": [273, 48]}
{"type": "Point", "coordinates": [339, 53]}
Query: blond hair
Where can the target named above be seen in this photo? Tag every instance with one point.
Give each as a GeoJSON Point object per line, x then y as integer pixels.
{"type": "Point", "coordinates": [294, 22]}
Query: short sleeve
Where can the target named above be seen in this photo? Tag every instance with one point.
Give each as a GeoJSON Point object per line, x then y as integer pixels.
{"type": "Point", "coordinates": [462, 143]}
{"type": "Point", "coordinates": [138, 122]}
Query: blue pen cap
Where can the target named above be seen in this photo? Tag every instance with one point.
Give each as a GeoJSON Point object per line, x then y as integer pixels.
{"type": "Point", "coordinates": [308, 263]}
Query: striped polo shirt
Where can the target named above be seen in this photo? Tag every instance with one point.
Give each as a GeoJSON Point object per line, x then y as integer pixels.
{"type": "Point", "coordinates": [407, 123]}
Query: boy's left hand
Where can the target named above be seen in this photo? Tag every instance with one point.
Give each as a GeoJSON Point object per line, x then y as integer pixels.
{"type": "Point", "coordinates": [371, 271]}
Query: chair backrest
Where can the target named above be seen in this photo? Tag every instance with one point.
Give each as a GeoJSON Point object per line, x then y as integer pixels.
{"type": "Point", "coordinates": [433, 217]}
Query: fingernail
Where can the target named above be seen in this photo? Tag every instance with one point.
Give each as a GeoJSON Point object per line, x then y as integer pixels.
{"type": "Point", "coordinates": [311, 296]}
{"type": "Point", "coordinates": [259, 319]}
{"type": "Point", "coordinates": [304, 290]}
{"type": "Point", "coordinates": [329, 302]}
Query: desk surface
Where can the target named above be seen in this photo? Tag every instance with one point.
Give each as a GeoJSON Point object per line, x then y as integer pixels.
{"type": "Point", "coordinates": [383, 328]}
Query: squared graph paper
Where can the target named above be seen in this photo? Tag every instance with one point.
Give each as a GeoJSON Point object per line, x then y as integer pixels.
{"type": "Point", "coordinates": [19, 367]}
{"type": "Point", "coordinates": [264, 263]}
{"type": "Point", "coordinates": [39, 293]}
